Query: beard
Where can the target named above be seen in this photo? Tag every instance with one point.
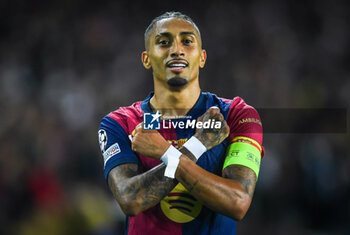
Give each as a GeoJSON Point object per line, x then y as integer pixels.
{"type": "Point", "coordinates": [177, 82]}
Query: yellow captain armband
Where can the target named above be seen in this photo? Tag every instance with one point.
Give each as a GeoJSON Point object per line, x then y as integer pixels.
{"type": "Point", "coordinates": [244, 151]}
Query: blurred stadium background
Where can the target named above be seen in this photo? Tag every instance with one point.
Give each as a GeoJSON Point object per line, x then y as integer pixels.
{"type": "Point", "coordinates": [65, 64]}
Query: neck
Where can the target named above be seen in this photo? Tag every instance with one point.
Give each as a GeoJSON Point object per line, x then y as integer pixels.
{"type": "Point", "coordinates": [175, 102]}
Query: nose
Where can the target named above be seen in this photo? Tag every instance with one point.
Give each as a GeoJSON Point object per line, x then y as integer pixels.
{"type": "Point", "coordinates": [177, 50]}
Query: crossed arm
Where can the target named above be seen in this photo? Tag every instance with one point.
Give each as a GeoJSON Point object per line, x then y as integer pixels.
{"type": "Point", "coordinates": [136, 191]}
{"type": "Point", "coordinates": [230, 194]}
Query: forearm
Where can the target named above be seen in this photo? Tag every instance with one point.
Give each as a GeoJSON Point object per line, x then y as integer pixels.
{"type": "Point", "coordinates": [225, 196]}
{"type": "Point", "coordinates": [140, 192]}
{"type": "Point", "coordinates": [136, 193]}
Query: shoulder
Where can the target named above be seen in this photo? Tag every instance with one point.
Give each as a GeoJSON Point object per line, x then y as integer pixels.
{"type": "Point", "coordinates": [232, 108]}
{"type": "Point", "coordinates": [132, 111]}
{"type": "Point", "coordinates": [235, 102]}
{"type": "Point", "coordinates": [125, 116]}
{"type": "Point", "coordinates": [240, 109]}
{"type": "Point", "coordinates": [222, 103]}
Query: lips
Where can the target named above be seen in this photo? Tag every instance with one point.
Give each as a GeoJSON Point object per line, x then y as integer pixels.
{"type": "Point", "coordinates": [177, 66]}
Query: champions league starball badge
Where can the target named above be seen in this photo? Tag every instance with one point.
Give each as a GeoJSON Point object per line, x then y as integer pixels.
{"type": "Point", "coordinates": [102, 139]}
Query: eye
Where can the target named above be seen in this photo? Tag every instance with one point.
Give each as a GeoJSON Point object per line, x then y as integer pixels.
{"type": "Point", "coordinates": [187, 40]}
{"type": "Point", "coordinates": [163, 42]}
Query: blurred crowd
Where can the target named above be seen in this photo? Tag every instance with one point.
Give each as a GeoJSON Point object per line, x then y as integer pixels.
{"type": "Point", "coordinates": [66, 64]}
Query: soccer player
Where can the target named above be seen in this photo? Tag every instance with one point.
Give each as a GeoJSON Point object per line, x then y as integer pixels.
{"type": "Point", "coordinates": [196, 173]}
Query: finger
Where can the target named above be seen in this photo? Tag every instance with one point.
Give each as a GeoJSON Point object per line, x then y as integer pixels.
{"type": "Point", "coordinates": [133, 133]}
{"type": "Point", "coordinates": [218, 116]}
{"type": "Point", "coordinates": [200, 118]}
{"type": "Point", "coordinates": [210, 112]}
{"type": "Point", "coordinates": [214, 110]}
{"type": "Point", "coordinates": [139, 128]}
{"type": "Point", "coordinates": [226, 128]}
{"type": "Point", "coordinates": [207, 115]}
{"type": "Point", "coordinates": [133, 147]}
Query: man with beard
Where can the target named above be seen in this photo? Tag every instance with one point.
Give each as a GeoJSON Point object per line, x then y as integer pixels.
{"type": "Point", "coordinates": [195, 171]}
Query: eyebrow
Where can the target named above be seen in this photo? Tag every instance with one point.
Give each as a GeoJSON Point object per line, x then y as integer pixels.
{"type": "Point", "coordinates": [167, 34]}
{"type": "Point", "coordinates": [187, 33]}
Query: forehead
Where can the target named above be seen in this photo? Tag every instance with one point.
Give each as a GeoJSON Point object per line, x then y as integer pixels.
{"type": "Point", "coordinates": [174, 26]}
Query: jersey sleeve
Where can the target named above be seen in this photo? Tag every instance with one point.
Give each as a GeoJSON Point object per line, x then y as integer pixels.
{"type": "Point", "coordinates": [244, 121]}
{"type": "Point", "coordinates": [245, 137]}
{"type": "Point", "coordinates": [115, 145]}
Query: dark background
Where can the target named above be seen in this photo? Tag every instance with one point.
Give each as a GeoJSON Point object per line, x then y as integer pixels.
{"type": "Point", "coordinates": [65, 64]}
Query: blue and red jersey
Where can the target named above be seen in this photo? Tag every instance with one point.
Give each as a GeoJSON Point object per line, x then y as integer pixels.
{"type": "Point", "coordinates": [179, 212]}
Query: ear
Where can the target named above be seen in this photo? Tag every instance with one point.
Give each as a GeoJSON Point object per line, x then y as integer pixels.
{"type": "Point", "coordinates": [145, 60]}
{"type": "Point", "coordinates": [203, 59]}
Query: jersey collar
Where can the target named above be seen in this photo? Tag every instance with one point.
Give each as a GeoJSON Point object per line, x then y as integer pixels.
{"type": "Point", "coordinates": [197, 110]}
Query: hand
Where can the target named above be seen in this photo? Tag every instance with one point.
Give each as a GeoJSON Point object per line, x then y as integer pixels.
{"type": "Point", "coordinates": [148, 142]}
{"type": "Point", "coordinates": [211, 137]}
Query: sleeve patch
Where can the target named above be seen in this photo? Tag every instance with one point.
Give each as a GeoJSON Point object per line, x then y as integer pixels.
{"type": "Point", "coordinates": [253, 120]}
{"type": "Point", "coordinates": [110, 152]}
{"type": "Point", "coordinates": [102, 139]}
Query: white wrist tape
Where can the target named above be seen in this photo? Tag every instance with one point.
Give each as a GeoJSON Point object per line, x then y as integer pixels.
{"type": "Point", "coordinates": [171, 158]}
{"type": "Point", "coordinates": [195, 147]}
